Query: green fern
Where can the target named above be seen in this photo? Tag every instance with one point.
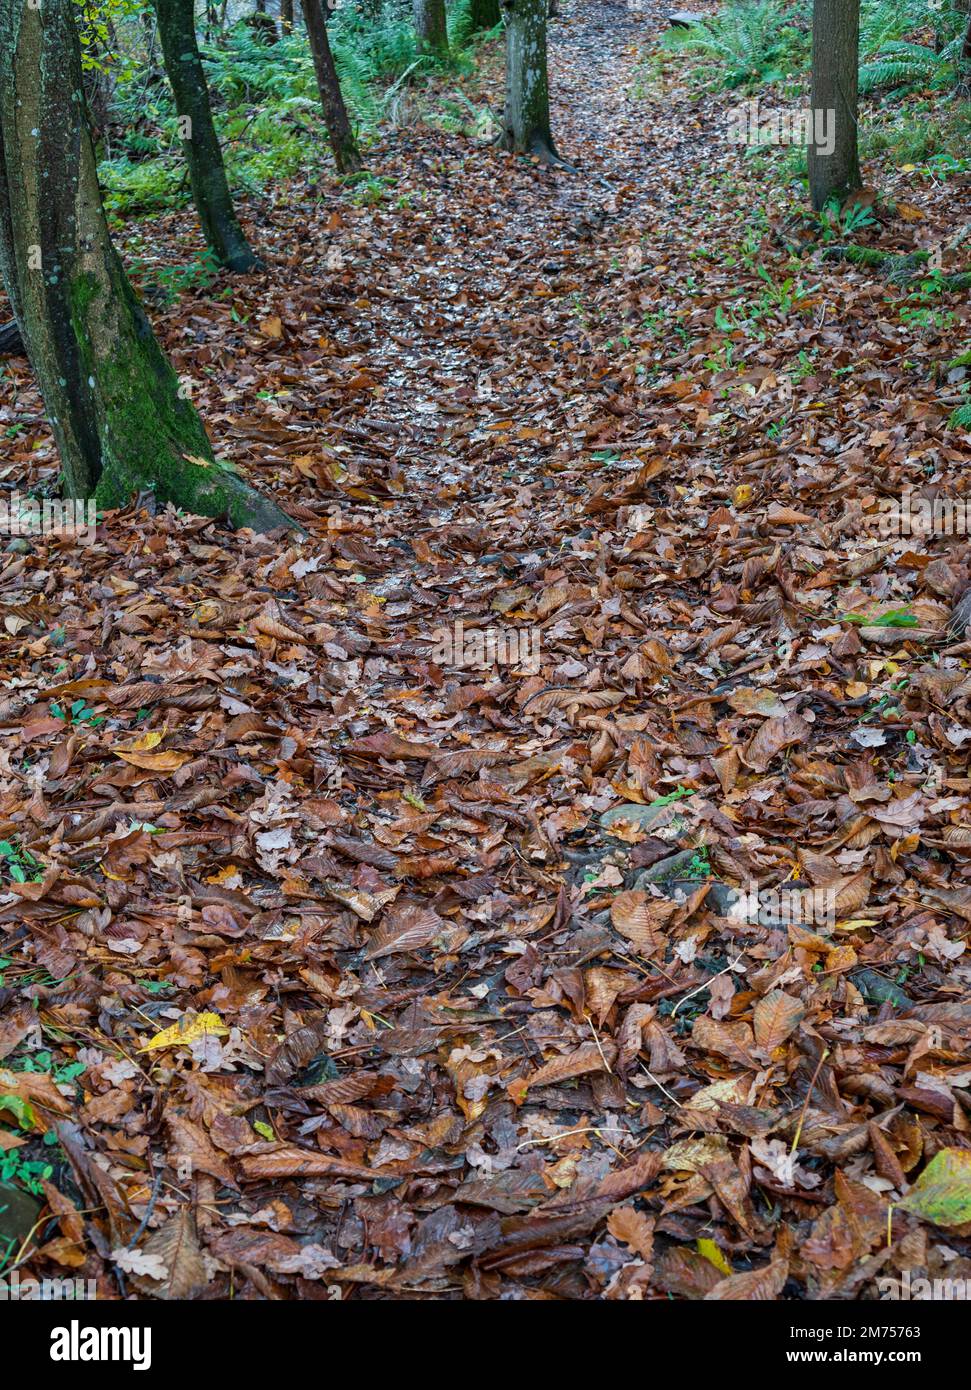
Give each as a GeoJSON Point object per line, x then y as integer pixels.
{"type": "Point", "coordinates": [751, 42]}
{"type": "Point", "coordinates": [961, 418]}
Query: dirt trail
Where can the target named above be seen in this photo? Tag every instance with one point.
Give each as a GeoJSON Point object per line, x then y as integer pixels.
{"type": "Point", "coordinates": [461, 1021]}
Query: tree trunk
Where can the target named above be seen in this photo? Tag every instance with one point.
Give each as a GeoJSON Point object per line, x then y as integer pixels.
{"type": "Point", "coordinates": [963, 89]}
{"type": "Point", "coordinates": [484, 14]}
{"type": "Point", "coordinates": [527, 120]}
{"type": "Point", "coordinates": [286, 16]}
{"type": "Point", "coordinates": [114, 403]}
{"type": "Point", "coordinates": [207, 174]}
{"type": "Point", "coordinates": [431, 27]}
{"type": "Point", "coordinates": [347, 156]}
{"type": "Point", "coordinates": [834, 162]}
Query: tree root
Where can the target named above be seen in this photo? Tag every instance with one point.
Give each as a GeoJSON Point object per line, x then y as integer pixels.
{"type": "Point", "coordinates": [11, 343]}
{"type": "Point", "coordinates": [899, 269]}
{"type": "Point", "coordinates": [201, 490]}
{"type": "Point", "coordinates": [541, 149]}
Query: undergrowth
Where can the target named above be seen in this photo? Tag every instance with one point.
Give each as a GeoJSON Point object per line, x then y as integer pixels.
{"type": "Point", "coordinates": [265, 103]}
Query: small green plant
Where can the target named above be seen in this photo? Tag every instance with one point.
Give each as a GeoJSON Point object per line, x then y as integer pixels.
{"type": "Point", "coordinates": [369, 189]}
{"type": "Point", "coordinates": [671, 797]}
{"type": "Point", "coordinates": [699, 866]}
{"type": "Point", "coordinates": [29, 1173]}
{"type": "Point", "coordinates": [854, 219]}
{"type": "Point", "coordinates": [80, 713]}
{"type": "Point", "coordinates": [44, 1062]}
{"type": "Point", "coordinates": [20, 864]}
{"type": "Point", "coordinates": [804, 367]}
{"type": "Point", "coordinates": [896, 617]}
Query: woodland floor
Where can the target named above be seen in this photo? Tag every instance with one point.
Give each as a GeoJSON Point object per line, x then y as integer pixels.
{"type": "Point", "coordinates": [456, 1052]}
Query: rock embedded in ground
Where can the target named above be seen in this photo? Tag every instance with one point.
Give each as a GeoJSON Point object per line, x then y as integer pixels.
{"type": "Point", "coordinates": [878, 990]}
{"type": "Point", "coordinates": [634, 814]}
{"type": "Point", "coordinates": [18, 1215]}
{"type": "Point", "coordinates": [669, 868]}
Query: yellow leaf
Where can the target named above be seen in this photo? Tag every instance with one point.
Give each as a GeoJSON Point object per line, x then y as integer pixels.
{"type": "Point", "coordinates": [742, 495]}
{"type": "Point", "coordinates": [156, 762]}
{"type": "Point", "coordinates": [224, 875]}
{"type": "Point", "coordinates": [183, 1033]}
{"type": "Point", "coordinates": [143, 744]}
{"type": "Point", "coordinates": [271, 327]}
{"type": "Point", "coordinates": [713, 1255]}
{"type": "Point", "coordinates": [942, 1193]}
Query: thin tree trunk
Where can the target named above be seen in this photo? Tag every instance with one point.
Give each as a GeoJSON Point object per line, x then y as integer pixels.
{"type": "Point", "coordinates": [834, 162]}
{"type": "Point", "coordinates": [431, 27]}
{"type": "Point", "coordinates": [286, 16]}
{"type": "Point", "coordinates": [484, 14]}
{"type": "Point", "coordinates": [207, 174]}
{"type": "Point", "coordinates": [964, 63]}
{"type": "Point", "coordinates": [527, 120]}
{"type": "Point", "coordinates": [347, 156]}
{"type": "Point", "coordinates": [120, 419]}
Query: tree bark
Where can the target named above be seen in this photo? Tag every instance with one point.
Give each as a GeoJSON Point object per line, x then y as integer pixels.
{"type": "Point", "coordinates": [286, 16]}
{"type": "Point", "coordinates": [485, 14]}
{"type": "Point", "coordinates": [207, 174]}
{"type": "Point", "coordinates": [119, 417]}
{"type": "Point", "coordinates": [431, 27]}
{"type": "Point", "coordinates": [834, 162]}
{"type": "Point", "coordinates": [527, 119]}
{"type": "Point", "coordinates": [347, 156]}
{"type": "Point", "coordinates": [964, 62]}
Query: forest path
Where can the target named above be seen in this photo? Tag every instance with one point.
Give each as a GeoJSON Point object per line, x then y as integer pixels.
{"type": "Point", "coordinates": [461, 1019]}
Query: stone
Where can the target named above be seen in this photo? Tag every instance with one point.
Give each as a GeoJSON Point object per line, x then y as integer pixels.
{"type": "Point", "coordinates": [878, 990]}
{"type": "Point", "coordinates": [18, 1215]}
{"type": "Point", "coordinates": [670, 867]}
{"type": "Point", "coordinates": [635, 814]}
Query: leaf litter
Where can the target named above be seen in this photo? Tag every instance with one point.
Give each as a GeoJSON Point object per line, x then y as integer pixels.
{"type": "Point", "coordinates": [402, 978]}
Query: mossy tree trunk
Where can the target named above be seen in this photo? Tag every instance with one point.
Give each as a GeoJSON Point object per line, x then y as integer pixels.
{"type": "Point", "coordinates": [207, 174]}
{"type": "Point", "coordinates": [120, 419]}
{"type": "Point", "coordinates": [834, 161]}
{"type": "Point", "coordinates": [347, 156]}
{"type": "Point", "coordinates": [527, 119]}
{"type": "Point", "coordinates": [484, 14]}
{"type": "Point", "coordinates": [431, 27]}
{"type": "Point", "coordinates": [964, 64]}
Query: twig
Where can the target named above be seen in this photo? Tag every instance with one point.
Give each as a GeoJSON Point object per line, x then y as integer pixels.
{"type": "Point", "coordinates": [156, 1189]}
{"type": "Point", "coordinates": [565, 1134]}
{"type": "Point", "coordinates": [705, 983]}
{"type": "Point", "coordinates": [607, 1066]}
{"type": "Point", "coordinates": [805, 1107]}
{"type": "Point", "coordinates": [657, 1083]}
